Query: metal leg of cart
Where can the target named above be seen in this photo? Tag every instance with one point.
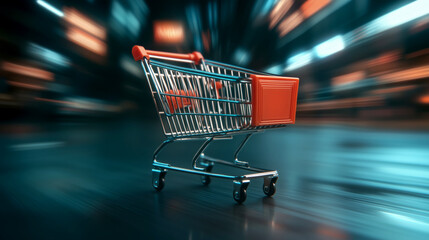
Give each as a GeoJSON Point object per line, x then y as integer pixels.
{"type": "Point", "coordinates": [240, 182]}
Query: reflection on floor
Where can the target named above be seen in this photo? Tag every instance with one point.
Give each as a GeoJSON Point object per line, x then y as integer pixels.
{"type": "Point", "coordinates": [94, 180]}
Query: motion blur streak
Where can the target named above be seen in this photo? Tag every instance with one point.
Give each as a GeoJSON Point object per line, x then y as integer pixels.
{"type": "Point", "coordinates": [26, 85]}
{"type": "Point", "coordinates": [406, 75]}
{"type": "Point", "coordinates": [128, 18]}
{"type": "Point", "coordinates": [310, 7]}
{"type": "Point", "coordinates": [86, 40]}
{"type": "Point", "coordinates": [343, 103]}
{"type": "Point", "coordinates": [53, 101]}
{"type": "Point", "coordinates": [409, 222]}
{"type": "Point", "coordinates": [27, 71]}
{"type": "Point", "coordinates": [400, 16]}
{"type": "Point", "coordinates": [330, 47]}
{"type": "Point", "coordinates": [193, 17]}
{"type": "Point", "coordinates": [50, 8]}
{"type": "Point", "coordinates": [276, 69]}
{"type": "Point", "coordinates": [241, 57]}
{"type": "Point", "coordinates": [348, 78]}
{"type": "Point", "coordinates": [34, 146]}
{"type": "Point", "coordinates": [168, 32]}
{"type": "Point", "coordinates": [77, 19]}
{"type": "Point", "coordinates": [384, 91]}
{"type": "Point", "coordinates": [383, 59]}
{"type": "Point", "coordinates": [407, 13]}
{"type": "Point", "coordinates": [280, 9]}
{"type": "Point", "coordinates": [299, 60]}
{"type": "Point", "coordinates": [48, 55]}
{"type": "Point", "coordinates": [290, 23]}
{"type": "Point", "coordinates": [424, 99]}
{"type": "Point", "coordinates": [128, 64]}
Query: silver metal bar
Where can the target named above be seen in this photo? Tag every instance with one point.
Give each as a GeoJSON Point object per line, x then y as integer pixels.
{"type": "Point", "coordinates": [167, 166]}
{"type": "Point", "coordinates": [171, 59]}
{"type": "Point", "coordinates": [198, 154]}
{"type": "Point", "coordinates": [189, 91]}
{"type": "Point", "coordinates": [160, 147]}
{"type": "Point", "coordinates": [149, 72]}
{"type": "Point", "coordinates": [201, 98]}
{"type": "Point", "coordinates": [208, 111]}
{"type": "Point", "coordinates": [236, 161]}
{"type": "Point", "coordinates": [162, 165]}
{"type": "Point", "coordinates": [209, 114]}
{"type": "Point", "coordinates": [232, 67]}
{"type": "Point", "coordinates": [200, 171]}
{"type": "Point", "coordinates": [231, 164]}
{"type": "Point", "coordinates": [167, 86]}
{"type": "Point", "coordinates": [262, 174]}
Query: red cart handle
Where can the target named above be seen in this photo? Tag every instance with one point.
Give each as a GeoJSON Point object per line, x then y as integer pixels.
{"type": "Point", "coordinates": [140, 52]}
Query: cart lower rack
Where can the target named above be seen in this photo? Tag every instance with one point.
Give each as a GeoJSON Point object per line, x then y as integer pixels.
{"type": "Point", "coordinates": [207, 100]}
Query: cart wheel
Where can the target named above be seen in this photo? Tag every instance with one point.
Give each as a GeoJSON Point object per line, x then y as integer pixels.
{"type": "Point", "coordinates": [240, 191]}
{"type": "Point", "coordinates": [158, 179]}
{"type": "Point", "coordinates": [270, 186]}
{"type": "Point", "coordinates": [206, 179]}
{"type": "Point", "coordinates": [240, 195]}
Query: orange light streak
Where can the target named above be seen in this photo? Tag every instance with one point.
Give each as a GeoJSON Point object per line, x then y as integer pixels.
{"type": "Point", "coordinates": [348, 78]}
{"type": "Point", "coordinates": [86, 40]}
{"type": "Point", "coordinates": [53, 101]}
{"type": "Point", "coordinates": [27, 71]}
{"type": "Point", "coordinates": [405, 75]}
{"type": "Point", "coordinates": [393, 89]}
{"type": "Point", "coordinates": [168, 32]}
{"type": "Point", "coordinates": [25, 85]}
{"type": "Point", "coordinates": [77, 19]}
{"type": "Point", "coordinates": [310, 7]}
{"type": "Point", "coordinates": [383, 59]}
{"type": "Point", "coordinates": [289, 23]}
{"type": "Point", "coordinates": [424, 99]}
{"type": "Point", "coordinates": [281, 8]}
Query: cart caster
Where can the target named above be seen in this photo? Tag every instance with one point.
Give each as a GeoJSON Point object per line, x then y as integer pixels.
{"type": "Point", "coordinates": [270, 186]}
{"type": "Point", "coordinates": [158, 178]}
{"type": "Point", "coordinates": [204, 178]}
{"type": "Point", "coordinates": [240, 191]}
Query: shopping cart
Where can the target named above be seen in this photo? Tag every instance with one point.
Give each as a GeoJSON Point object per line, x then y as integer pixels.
{"type": "Point", "coordinates": [207, 100]}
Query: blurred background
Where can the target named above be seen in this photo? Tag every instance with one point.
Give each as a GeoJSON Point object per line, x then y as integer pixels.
{"type": "Point", "coordinates": [78, 124]}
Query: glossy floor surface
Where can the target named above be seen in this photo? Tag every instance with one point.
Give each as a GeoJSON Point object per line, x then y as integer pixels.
{"type": "Point", "coordinates": [87, 181]}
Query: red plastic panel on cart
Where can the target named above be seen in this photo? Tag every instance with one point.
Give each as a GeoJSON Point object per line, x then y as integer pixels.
{"type": "Point", "coordinates": [273, 100]}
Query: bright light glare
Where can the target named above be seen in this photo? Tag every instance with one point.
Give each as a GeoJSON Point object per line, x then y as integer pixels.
{"type": "Point", "coordinates": [395, 18]}
{"type": "Point", "coordinates": [241, 57]}
{"type": "Point", "coordinates": [299, 60]}
{"type": "Point", "coordinates": [48, 55]}
{"type": "Point", "coordinates": [330, 46]}
{"type": "Point", "coordinates": [193, 15]}
{"type": "Point", "coordinates": [408, 221]}
{"type": "Point", "coordinates": [127, 63]}
{"type": "Point", "coordinates": [276, 69]}
{"type": "Point", "coordinates": [400, 16]}
{"type": "Point", "coordinates": [50, 8]}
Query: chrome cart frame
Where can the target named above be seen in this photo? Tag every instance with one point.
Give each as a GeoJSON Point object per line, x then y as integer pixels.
{"type": "Point", "coordinates": [205, 100]}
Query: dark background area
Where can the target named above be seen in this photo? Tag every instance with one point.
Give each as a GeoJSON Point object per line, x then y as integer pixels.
{"type": "Point", "coordinates": [78, 124]}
